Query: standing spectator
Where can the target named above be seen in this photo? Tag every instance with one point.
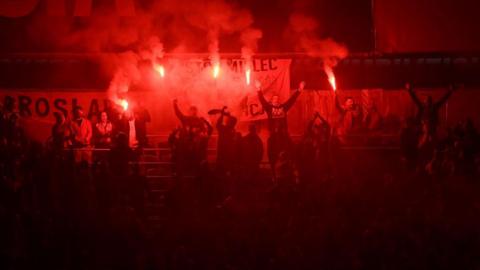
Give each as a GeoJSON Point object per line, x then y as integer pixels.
{"type": "Point", "coordinates": [81, 136]}
{"type": "Point", "coordinates": [409, 143]}
{"type": "Point", "coordinates": [226, 142]}
{"type": "Point", "coordinates": [251, 152]}
{"type": "Point", "coordinates": [279, 140]}
{"type": "Point", "coordinates": [350, 119]}
{"type": "Point", "coordinates": [195, 134]}
{"type": "Point", "coordinates": [313, 150]}
{"type": "Point", "coordinates": [190, 121]}
{"type": "Point", "coordinates": [142, 118]}
{"type": "Point", "coordinates": [427, 112]}
{"type": "Point", "coordinates": [103, 131]}
{"type": "Point", "coordinates": [373, 120]}
{"type": "Point", "coordinates": [120, 158]}
{"type": "Point", "coordinates": [276, 111]}
{"type": "Point", "coordinates": [6, 111]}
{"type": "Point", "coordinates": [128, 126]}
{"type": "Point", "coordinates": [60, 132]}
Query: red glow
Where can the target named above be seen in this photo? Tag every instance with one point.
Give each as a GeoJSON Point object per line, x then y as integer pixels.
{"type": "Point", "coordinates": [216, 70]}
{"type": "Point", "coordinates": [247, 76]}
{"type": "Point", "coordinates": [331, 77]}
{"type": "Point", "coordinates": [124, 104]}
{"type": "Point", "coordinates": [160, 70]}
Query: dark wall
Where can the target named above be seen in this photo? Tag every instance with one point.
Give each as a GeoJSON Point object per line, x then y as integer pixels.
{"type": "Point", "coordinates": [427, 26]}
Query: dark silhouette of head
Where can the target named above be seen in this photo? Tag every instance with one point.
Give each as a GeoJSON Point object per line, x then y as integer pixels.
{"type": "Point", "coordinates": [193, 111]}
{"type": "Point", "coordinates": [349, 103]}
{"type": "Point", "coordinates": [429, 101]}
{"type": "Point", "coordinates": [59, 117]}
{"type": "Point", "coordinates": [103, 116]}
{"type": "Point", "coordinates": [78, 112]}
{"type": "Point", "coordinates": [252, 128]}
{"type": "Point", "coordinates": [275, 100]}
{"type": "Point", "coordinates": [8, 104]}
{"type": "Point", "coordinates": [121, 140]}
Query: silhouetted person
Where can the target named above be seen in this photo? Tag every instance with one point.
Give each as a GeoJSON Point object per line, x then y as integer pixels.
{"type": "Point", "coordinates": [226, 152]}
{"type": "Point", "coordinates": [278, 142]}
{"type": "Point", "coordinates": [196, 132]}
{"type": "Point", "coordinates": [373, 120]}
{"type": "Point", "coordinates": [128, 126]}
{"type": "Point", "coordinates": [81, 128]}
{"type": "Point", "coordinates": [190, 121]}
{"type": "Point", "coordinates": [277, 111]}
{"type": "Point", "coordinates": [81, 136]}
{"type": "Point", "coordinates": [471, 144]}
{"type": "Point", "coordinates": [313, 150]}
{"type": "Point", "coordinates": [142, 118]}
{"type": "Point", "coordinates": [6, 111]}
{"type": "Point", "coordinates": [251, 151]}
{"type": "Point", "coordinates": [60, 132]}
{"type": "Point", "coordinates": [120, 158]}
{"type": "Point", "coordinates": [409, 142]}
{"type": "Point", "coordinates": [350, 119]}
{"type": "Point", "coordinates": [427, 112]}
{"type": "Point", "coordinates": [103, 131]}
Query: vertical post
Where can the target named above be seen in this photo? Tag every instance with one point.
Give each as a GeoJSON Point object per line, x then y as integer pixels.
{"type": "Point", "coordinates": [374, 28]}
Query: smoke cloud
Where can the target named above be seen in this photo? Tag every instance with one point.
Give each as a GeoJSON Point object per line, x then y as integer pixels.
{"type": "Point", "coordinates": [304, 33]}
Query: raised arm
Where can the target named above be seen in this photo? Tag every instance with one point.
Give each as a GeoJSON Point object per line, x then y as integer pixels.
{"type": "Point", "coordinates": [209, 127]}
{"type": "Point", "coordinates": [338, 105]}
{"type": "Point", "coordinates": [322, 119]}
{"type": "Point", "coordinates": [263, 101]}
{"type": "Point", "coordinates": [219, 124]}
{"type": "Point", "coordinates": [444, 98]}
{"type": "Point", "coordinates": [291, 100]}
{"type": "Point", "coordinates": [178, 113]}
{"type": "Point", "coordinates": [147, 116]}
{"type": "Point", "coordinates": [89, 132]}
{"type": "Point", "coordinates": [266, 106]}
{"type": "Point", "coordinates": [414, 96]}
{"type": "Point", "coordinates": [287, 105]}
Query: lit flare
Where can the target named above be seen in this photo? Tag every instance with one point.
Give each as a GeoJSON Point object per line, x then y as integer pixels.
{"type": "Point", "coordinates": [331, 77]}
{"type": "Point", "coordinates": [247, 76]}
{"type": "Point", "coordinates": [216, 70]}
{"type": "Point", "coordinates": [124, 104]}
{"type": "Point", "coordinates": [160, 70]}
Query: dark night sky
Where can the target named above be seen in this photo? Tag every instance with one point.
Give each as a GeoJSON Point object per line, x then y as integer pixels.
{"type": "Point", "coordinates": [402, 26]}
{"type": "Point", "coordinates": [346, 21]}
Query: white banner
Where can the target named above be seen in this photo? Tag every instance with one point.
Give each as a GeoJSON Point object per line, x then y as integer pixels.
{"type": "Point", "coordinates": [36, 107]}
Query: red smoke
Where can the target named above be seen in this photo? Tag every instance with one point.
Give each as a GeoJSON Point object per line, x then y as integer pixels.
{"type": "Point", "coordinates": [303, 30]}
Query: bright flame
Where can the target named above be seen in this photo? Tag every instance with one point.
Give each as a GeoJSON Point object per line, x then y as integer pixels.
{"type": "Point", "coordinates": [247, 76]}
{"type": "Point", "coordinates": [331, 77]}
{"type": "Point", "coordinates": [160, 69]}
{"type": "Point", "coordinates": [216, 70]}
{"type": "Point", "coordinates": [124, 104]}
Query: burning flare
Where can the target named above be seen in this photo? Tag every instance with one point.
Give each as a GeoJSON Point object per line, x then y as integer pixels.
{"type": "Point", "coordinates": [331, 77]}
{"type": "Point", "coordinates": [160, 70]}
{"type": "Point", "coordinates": [124, 104]}
{"type": "Point", "coordinates": [247, 76]}
{"type": "Point", "coordinates": [216, 70]}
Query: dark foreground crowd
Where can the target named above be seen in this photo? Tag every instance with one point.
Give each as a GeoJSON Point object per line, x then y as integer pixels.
{"type": "Point", "coordinates": [315, 204]}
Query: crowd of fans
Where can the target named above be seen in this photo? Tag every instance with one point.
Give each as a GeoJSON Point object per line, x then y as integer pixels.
{"type": "Point", "coordinates": [313, 204]}
{"type": "Point", "coordinates": [99, 130]}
